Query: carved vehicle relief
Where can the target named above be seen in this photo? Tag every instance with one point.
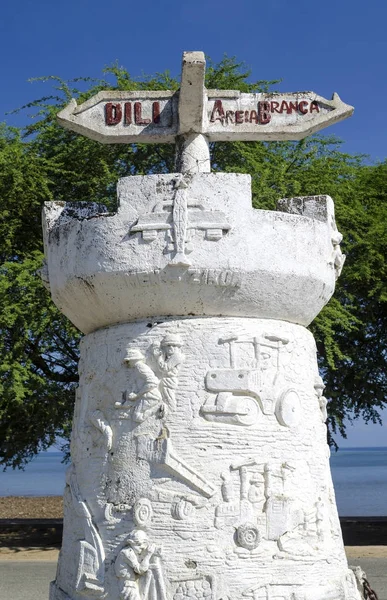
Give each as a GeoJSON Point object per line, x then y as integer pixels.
{"type": "Point", "coordinates": [244, 392]}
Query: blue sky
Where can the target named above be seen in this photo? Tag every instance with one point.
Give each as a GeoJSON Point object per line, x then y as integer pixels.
{"type": "Point", "coordinates": [324, 47]}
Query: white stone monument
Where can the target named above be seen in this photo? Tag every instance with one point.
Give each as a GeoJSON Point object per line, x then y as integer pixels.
{"type": "Point", "coordinates": [200, 467]}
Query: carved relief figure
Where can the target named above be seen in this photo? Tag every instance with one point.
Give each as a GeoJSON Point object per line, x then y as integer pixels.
{"type": "Point", "coordinates": [169, 359]}
{"type": "Point", "coordinates": [139, 570]}
{"type": "Point", "coordinates": [155, 399]}
{"type": "Point", "coordinates": [148, 396]}
{"type": "Point", "coordinates": [338, 258]}
{"type": "Point", "coordinates": [90, 575]}
{"type": "Point", "coordinates": [98, 420]}
{"type": "Point", "coordinates": [319, 388]}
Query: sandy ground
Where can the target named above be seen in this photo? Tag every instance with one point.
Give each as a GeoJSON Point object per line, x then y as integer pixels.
{"type": "Point", "coordinates": [23, 507]}
{"type": "Point", "coordinates": [353, 552]}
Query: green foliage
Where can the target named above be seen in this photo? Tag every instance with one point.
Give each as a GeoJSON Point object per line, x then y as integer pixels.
{"type": "Point", "coordinates": [39, 347]}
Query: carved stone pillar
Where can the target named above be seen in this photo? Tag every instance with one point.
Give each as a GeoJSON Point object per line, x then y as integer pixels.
{"type": "Point", "coordinates": [200, 467]}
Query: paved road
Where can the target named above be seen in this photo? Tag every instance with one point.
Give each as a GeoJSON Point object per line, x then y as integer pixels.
{"type": "Point", "coordinates": [29, 580]}
{"type": "Point", "coordinates": [26, 580]}
{"type": "Point", "coordinates": [376, 571]}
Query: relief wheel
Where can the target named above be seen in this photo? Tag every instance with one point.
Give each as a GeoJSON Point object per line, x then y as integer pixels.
{"type": "Point", "coordinates": [288, 409]}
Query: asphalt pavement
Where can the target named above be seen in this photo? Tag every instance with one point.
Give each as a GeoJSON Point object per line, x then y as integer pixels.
{"type": "Point", "coordinates": [26, 580]}
{"type": "Point", "coordinates": [29, 580]}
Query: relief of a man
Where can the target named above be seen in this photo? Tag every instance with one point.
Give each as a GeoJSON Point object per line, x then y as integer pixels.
{"type": "Point", "coordinates": [169, 359]}
{"type": "Point", "coordinates": [138, 569]}
{"type": "Point", "coordinates": [149, 397]}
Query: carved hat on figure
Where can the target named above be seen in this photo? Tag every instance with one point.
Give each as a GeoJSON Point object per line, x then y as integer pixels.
{"type": "Point", "coordinates": [172, 339]}
{"type": "Point", "coordinates": [137, 538]}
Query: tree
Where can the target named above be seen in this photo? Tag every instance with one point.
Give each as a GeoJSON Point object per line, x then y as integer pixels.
{"type": "Point", "coordinates": [44, 162]}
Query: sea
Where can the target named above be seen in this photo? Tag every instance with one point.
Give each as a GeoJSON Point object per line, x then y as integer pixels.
{"type": "Point", "coordinates": [359, 477]}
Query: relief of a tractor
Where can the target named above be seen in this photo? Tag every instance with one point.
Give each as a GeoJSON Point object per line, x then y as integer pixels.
{"type": "Point", "coordinates": [252, 385]}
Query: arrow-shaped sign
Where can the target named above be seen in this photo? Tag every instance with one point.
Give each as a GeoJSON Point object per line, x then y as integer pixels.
{"type": "Point", "coordinates": [218, 115]}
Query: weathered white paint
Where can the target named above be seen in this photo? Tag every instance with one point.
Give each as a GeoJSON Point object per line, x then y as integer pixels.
{"type": "Point", "coordinates": [233, 259]}
{"type": "Point", "coordinates": [200, 464]}
{"type": "Point", "coordinates": [239, 505]}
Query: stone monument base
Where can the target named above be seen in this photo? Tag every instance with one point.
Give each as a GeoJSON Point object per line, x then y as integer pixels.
{"type": "Point", "coordinates": [201, 467]}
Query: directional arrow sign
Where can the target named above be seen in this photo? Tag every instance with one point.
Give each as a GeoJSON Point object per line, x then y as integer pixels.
{"type": "Point", "coordinates": [219, 115]}
{"type": "Point", "coordinates": [291, 116]}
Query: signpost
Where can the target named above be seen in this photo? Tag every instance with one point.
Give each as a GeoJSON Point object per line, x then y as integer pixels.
{"type": "Point", "coordinates": [194, 116]}
{"type": "Point", "coordinates": [200, 466]}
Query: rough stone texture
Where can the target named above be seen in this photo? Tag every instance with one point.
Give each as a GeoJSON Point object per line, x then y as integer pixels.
{"type": "Point", "coordinates": [218, 257]}
{"type": "Point", "coordinates": [222, 464]}
{"type": "Point", "coordinates": [200, 465]}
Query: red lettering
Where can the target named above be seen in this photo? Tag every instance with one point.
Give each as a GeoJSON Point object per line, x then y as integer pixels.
{"type": "Point", "coordinates": [156, 112]}
{"type": "Point", "coordinates": [128, 113]}
{"type": "Point", "coordinates": [230, 116]}
{"type": "Point", "coordinates": [303, 107]}
{"type": "Point", "coordinates": [264, 112]}
{"type": "Point", "coordinates": [293, 106]}
{"type": "Point", "coordinates": [314, 106]}
{"type": "Point", "coordinates": [274, 107]}
{"type": "Point", "coordinates": [217, 112]}
{"type": "Point", "coordinates": [137, 115]}
{"type": "Point", "coordinates": [247, 115]}
{"type": "Point", "coordinates": [113, 113]}
{"type": "Point", "coordinates": [239, 116]}
{"type": "Point", "coordinates": [284, 106]}
{"type": "Point", "coordinates": [254, 116]}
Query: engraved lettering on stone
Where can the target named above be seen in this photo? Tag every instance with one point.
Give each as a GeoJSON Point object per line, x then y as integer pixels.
{"type": "Point", "coordinates": [139, 569]}
{"type": "Point", "coordinates": [180, 218]}
{"type": "Point", "coordinates": [90, 575]}
{"type": "Point", "coordinates": [193, 276]}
